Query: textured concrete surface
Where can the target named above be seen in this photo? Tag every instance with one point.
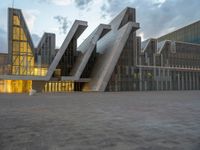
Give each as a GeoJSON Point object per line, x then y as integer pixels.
{"type": "Point", "coordinates": [101, 121]}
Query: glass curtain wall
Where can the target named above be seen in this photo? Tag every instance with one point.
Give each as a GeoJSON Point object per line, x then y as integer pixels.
{"type": "Point", "coordinates": [22, 55]}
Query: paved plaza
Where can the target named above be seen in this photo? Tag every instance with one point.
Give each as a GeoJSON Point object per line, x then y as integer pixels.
{"type": "Point", "coordinates": [101, 121]}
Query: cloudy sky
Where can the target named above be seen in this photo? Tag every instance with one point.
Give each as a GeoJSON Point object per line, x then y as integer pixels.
{"type": "Point", "coordinates": [156, 17]}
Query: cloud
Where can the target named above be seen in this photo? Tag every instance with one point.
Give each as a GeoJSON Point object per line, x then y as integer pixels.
{"type": "Point", "coordinates": [30, 17]}
{"type": "Point", "coordinates": [63, 23]}
{"type": "Point", "coordinates": [58, 2]}
{"type": "Point", "coordinates": [62, 2]}
{"type": "Point", "coordinates": [156, 17]}
{"type": "Point", "coordinates": [82, 4]}
{"type": "Point", "coordinates": [3, 41]}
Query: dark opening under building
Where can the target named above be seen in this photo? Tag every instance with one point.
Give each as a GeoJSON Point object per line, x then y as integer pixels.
{"type": "Point", "coordinates": [112, 58]}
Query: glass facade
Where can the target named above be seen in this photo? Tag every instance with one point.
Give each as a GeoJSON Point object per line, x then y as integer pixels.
{"type": "Point", "coordinates": [68, 59]}
{"type": "Point", "coordinates": [175, 67]}
{"type": "Point", "coordinates": [15, 86]}
{"type": "Point", "coordinates": [22, 54]}
{"type": "Point", "coordinates": [88, 68]}
{"type": "Point", "coordinates": [45, 51]}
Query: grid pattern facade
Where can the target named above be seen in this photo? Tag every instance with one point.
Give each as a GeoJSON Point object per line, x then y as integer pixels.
{"type": "Point", "coordinates": [22, 59]}
{"type": "Point", "coordinates": [175, 68]}
{"type": "Point", "coordinates": [46, 50]}
{"type": "Point", "coordinates": [190, 34]}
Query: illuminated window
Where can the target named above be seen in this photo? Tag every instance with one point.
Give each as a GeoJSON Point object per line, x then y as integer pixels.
{"type": "Point", "coordinates": [15, 86]}
{"type": "Point", "coordinates": [16, 20]}
{"type": "Point", "coordinates": [22, 55]}
{"type": "Point", "coordinates": [61, 86]}
{"type": "Point", "coordinates": [15, 46]}
{"type": "Point", "coordinates": [22, 35]}
{"type": "Point", "coordinates": [16, 33]}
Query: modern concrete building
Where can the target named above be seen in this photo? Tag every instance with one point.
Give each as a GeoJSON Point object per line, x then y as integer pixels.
{"type": "Point", "coordinates": [112, 58]}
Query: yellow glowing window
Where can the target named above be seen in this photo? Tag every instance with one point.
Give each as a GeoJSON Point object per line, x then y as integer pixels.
{"type": "Point", "coordinates": [22, 35]}
{"type": "Point", "coordinates": [15, 46]}
{"type": "Point", "coordinates": [16, 20]}
{"type": "Point", "coordinates": [16, 33]}
{"type": "Point", "coordinates": [30, 61]}
{"type": "Point", "coordinates": [21, 71]}
{"type": "Point", "coordinates": [23, 60]}
{"type": "Point", "coordinates": [15, 60]}
{"type": "Point", "coordinates": [29, 49]}
{"type": "Point", "coordinates": [15, 86]}
{"type": "Point", "coordinates": [16, 70]}
{"type": "Point", "coordinates": [29, 71]}
{"type": "Point", "coordinates": [45, 87]}
{"type": "Point", "coordinates": [23, 47]}
{"type": "Point", "coordinates": [49, 86]}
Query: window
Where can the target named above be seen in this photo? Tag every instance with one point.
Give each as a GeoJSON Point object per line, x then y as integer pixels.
{"type": "Point", "coordinates": [16, 20]}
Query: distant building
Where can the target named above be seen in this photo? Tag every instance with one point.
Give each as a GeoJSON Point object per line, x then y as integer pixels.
{"type": "Point", "coordinates": [112, 58]}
